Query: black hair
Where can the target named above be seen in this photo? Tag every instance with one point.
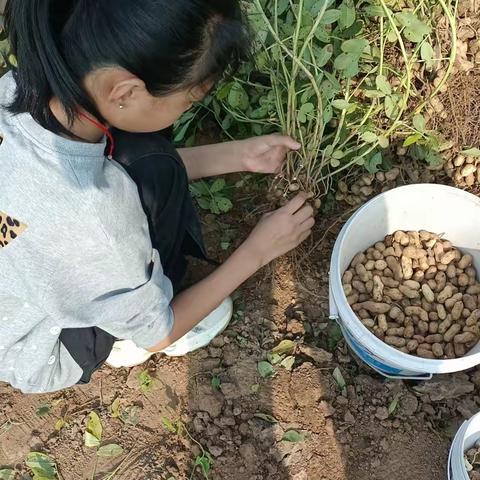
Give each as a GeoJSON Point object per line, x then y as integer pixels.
{"type": "Point", "coordinates": [168, 44]}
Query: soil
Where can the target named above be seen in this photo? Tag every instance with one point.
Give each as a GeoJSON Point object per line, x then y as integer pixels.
{"type": "Point", "coordinates": [347, 433]}
{"type": "Point", "coordinates": [216, 401]}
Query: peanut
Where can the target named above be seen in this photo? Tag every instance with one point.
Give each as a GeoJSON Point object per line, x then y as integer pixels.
{"type": "Point", "coordinates": [465, 261]}
{"type": "Point", "coordinates": [465, 337]}
{"type": "Point", "coordinates": [474, 289]}
{"type": "Point", "coordinates": [382, 322]}
{"type": "Point", "coordinates": [451, 332]}
{"type": "Point", "coordinates": [407, 267]}
{"type": "Point", "coordinates": [408, 292]}
{"type": "Point", "coordinates": [418, 311]}
{"type": "Point", "coordinates": [437, 350]}
{"type": "Point", "coordinates": [395, 267]}
{"type": "Point", "coordinates": [412, 345]}
{"type": "Point", "coordinates": [414, 253]}
{"type": "Point", "coordinates": [395, 341]}
{"type": "Point", "coordinates": [425, 353]}
{"type": "Point", "coordinates": [377, 292]}
{"type": "Point", "coordinates": [446, 293]}
{"type": "Point", "coordinates": [428, 293]}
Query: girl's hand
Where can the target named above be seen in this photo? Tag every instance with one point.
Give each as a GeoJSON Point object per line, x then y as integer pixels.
{"type": "Point", "coordinates": [281, 231]}
{"type": "Point", "coordinates": [265, 154]}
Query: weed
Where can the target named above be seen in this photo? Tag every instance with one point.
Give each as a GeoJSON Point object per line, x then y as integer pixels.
{"type": "Point", "coordinates": [212, 196]}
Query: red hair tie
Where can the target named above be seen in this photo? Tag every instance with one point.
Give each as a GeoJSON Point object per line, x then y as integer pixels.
{"type": "Point", "coordinates": [105, 130]}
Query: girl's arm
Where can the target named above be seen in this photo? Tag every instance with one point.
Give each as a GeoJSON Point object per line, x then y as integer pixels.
{"type": "Point", "coordinates": [3, 3]}
{"type": "Point", "coordinates": [263, 154]}
{"type": "Point", "coordinates": [275, 235]}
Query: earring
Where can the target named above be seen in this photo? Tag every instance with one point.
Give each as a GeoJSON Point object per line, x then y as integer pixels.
{"type": "Point", "coordinates": [121, 107]}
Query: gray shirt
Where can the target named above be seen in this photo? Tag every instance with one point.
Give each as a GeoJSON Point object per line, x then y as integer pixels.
{"type": "Point", "coordinates": [75, 252]}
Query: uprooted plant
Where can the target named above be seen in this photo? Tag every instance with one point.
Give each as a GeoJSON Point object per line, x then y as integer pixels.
{"type": "Point", "coordinates": [345, 79]}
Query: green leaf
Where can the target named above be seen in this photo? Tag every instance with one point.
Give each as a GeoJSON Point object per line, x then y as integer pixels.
{"type": "Point", "coordinates": [354, 45]}
{"type": "Point", "coordinates": [394, 404]}
{"type": "Point", "coordinates": [169, 425]}
{"type": "Point", "coordinates": [369, 137]}
{"type": "Point", "coordinates": [255, 388]}
{"type": "Point", "coordinates": [337, 375]}
{"type": "Point", "coordinates": [427, 54]}
{"type": "Point", "coordinates": [7, 474]}
{"type": "Point", "coordinates": [293, 436]}
{"type": "Point", "coordinates": [419, 123]}
{"type": "Point", "coordinates": [414, 29]}
{"type": "Point", "coordinates": [383, 141]}
{"type": "Point", "coordinates": [43, 410]}
{"type": "Point", "coordinates": [383, 84]}
{"type": "Point", "coordinates": [267, 418]}
{"type": "Point", "coordinates": [265, 369]}
{"type": "Point", "coordinates": [90, 440]}
{"type": "Point", "coordinates": [305, 112]}
{"type": "Point", "coordinates": [110, 451]}
{"type": "Point", "coordinates": [374, 11]}
{"type": "Point", "coordinates": [205, 462]}
{"type": "Point", "coordinates": [327, 114]}
{"type": "Point", "coordinates": [238, 97]}
{"type": "Point", "coordinates": [199, 189]}
{"type": "Point", "coordinates": [146, 381]}
{"type": "Point", "coordinates": [412, 139]}
{"type": "Point", "coordinates": [285, 347]}
{"type": "Point", "coordinates": [372, 164]}
{"type": "Point", "coordinates": [274, 358]}
{"type": "Point", "coordinates": [322, 34]}
{"type": "Point", "coordinates": [390, 107]}
{"type": "Point", "coordinates": [130, 415]}
{"type": "Point", "coordinates": [345, 61]}
{"type": "Point", "coordinates": [471, 152]}
{"type": "Point", "coordinates": [338, 154]}
{"type": "Point", "coordinates": [288, 363]}
{"type": "Point", "coordinates": [94, 425]}
{"type": "Point", "coordinates": [324, 55]}
{"type": "Point", "coordinates": [115, 408]}
{"type": "Point", "coordinates": [204, 203]}
{"type": "Point", "coordinates": [347, 15]}
{"type": "Point", "coordinates": [218, 185]}
{"type": "Point", "coordinates": [223, 204]}
{"type": "Point", "coordinates": [216, 382]}
{"type": "Point", "coordinates": [41, 465]}
{"type": "Point", "coordinates": [59, 424]}
{"type": "Point", "coordinates": [331, 16]}
{"type": "Point", "coordinates": [341, 104]}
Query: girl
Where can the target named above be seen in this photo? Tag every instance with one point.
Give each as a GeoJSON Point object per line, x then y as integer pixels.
{"type": "Point", "coordinates": [94, 230]}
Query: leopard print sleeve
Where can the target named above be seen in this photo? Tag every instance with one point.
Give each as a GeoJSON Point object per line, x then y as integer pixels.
{"type": "Point", "coordinates": [10, 229]}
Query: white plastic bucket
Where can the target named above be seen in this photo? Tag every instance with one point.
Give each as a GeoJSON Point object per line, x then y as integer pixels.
{"type": "Point", "coordinates": [435, 208]}
{"type": "Point", "coordinates": [464, 440]}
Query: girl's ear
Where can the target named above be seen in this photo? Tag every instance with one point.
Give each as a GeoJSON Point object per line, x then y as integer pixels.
{"type": "Point", "coordinates": [124, 91]}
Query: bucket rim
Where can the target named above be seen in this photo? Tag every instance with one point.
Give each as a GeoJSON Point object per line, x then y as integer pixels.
{"type": "Point", "coordinates": [355, 326]}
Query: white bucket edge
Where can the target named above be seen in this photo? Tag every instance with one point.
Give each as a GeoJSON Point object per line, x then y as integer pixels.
{"type": "Point", "coordinates": [413, 366]}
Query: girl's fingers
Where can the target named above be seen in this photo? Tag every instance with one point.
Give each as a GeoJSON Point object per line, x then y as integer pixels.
{"type": "Point", "coordinates": [309, 223]}
{"type": "Point", "coordinates": [304, 236]}
{"type": "Point", "coordinates": [283, 141]}
{"type": "Point", "coordinates": [303, 214]}
{"type": "Point", "coordinates": [296, 203]}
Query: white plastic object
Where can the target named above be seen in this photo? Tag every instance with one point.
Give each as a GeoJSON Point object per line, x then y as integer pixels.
{"type": "Point", "coordinates": [464, 440]}
{"type": "Point", "coordinates": [204, 332]}
{"type": "Point", "coordinates": [435, 208]}
{"type": "Point", "coordinates": [126, 354]}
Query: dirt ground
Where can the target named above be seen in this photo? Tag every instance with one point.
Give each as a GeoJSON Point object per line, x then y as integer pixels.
{"type": "Point", "coordinates": [351, 433]}
{"type": "Point", "coordinates": [215, 400]}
